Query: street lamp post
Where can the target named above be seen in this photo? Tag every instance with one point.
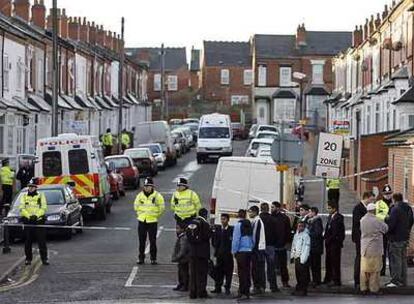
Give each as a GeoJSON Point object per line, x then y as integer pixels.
{"type": "Point", "coordinates": [121, 84]}
{"type": "Point", "coordinates": [55, 81]}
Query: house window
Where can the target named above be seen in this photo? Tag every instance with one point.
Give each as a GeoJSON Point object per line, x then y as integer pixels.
{"type": "Point", "coordinates": [394, 119]}
{"type": "Point", "coordinates": [6, 72]}
{"type": "Point", "coordinates": [262, 77]}
{"type": "Point", "coordinates": [262, 112]}
{"type": "Point", "coordinates": [248, 77]}
{"type": "Point", "coordinates": [225, 77]}
{"type": "Point", "coordinates": [410, 121]}
{"type": "Point", "coordinates": [284, 109]}
{"type": "Point", "coordinates": [39, 75]}
{"type": "Point", "coordinates": [19, 74]}
{"type": "Point", "coordinates": [157, 82]}
{"type": "Point", "coordinates": [317, 74]}
{"type": "Point", "coordinates": [172, 83]}
{"type": "Point", "coordinates": [368, 119]}
{"type": "Point", "coordinates": [388, 116]}
{"type": "Point", "coordinates": [285, 74]}
{"type": "Point", "coordinates": [377, 118]}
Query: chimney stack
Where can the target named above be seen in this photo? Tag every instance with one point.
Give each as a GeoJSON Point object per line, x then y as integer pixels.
{"type": "Point", "coordinates": [64, 25]}
{"type": "Point", "coordinates": [50, 20]}
{"type": "Point", "coordinates": [74, 28]}
{"type": "Point", "coordinates": [301, 36]}
{"type": "Point", "coordinates": [100, 36]}
{"type": "Point", "coordinates": [366, 29]}
{"type": "Point", "coordinates": [84, 31]}
{"type": "Point", "coordinates": [6, 7]}
{"type": "Point", "coordinates": [371, 26]}
{"type": "Point", "coordinates": [385, 12]}
{"type": "Point", "coordinates": [378, 22]}
{"type": "Point", "coordinates": [22, 9]}
{"type": "Point", "coordinates": [357, 37]}
{"type": "Point", "coordinates": [39, 14]}
{"type": "Point", "coordinates": [115, 43]}
{"type": "Point", "coordinates": [108, 40]}
{"type": "Point", "coordinates": [92, 33]}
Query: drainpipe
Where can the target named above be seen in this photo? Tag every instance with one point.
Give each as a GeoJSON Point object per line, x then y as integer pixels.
{"type": "Point", "coordinates": [2, 63]}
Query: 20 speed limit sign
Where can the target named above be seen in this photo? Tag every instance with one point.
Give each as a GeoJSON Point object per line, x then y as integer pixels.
{"type": "Point", "coordinates": [329, 153]}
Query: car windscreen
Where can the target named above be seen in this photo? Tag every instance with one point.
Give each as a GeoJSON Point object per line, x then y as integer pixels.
{"type": "Point", "coordinates": [214, 132]}
{"type": "Point", "coordinates": [53, 197]}
{"type": "Point", "coordinates": [267, 128]}
{"type": "Point", "coordinates": [52, 163]}
{"type": "Point", "coordinates": [119, 163]}
{"type": "Point", "coordinates": [138, 153]}
{"type": "Point", "coordinates": [154, 148]}
{"type": "Point", "coordinates": [256, 145]}
{"type": "Point", "coordinates": [78, 162]}
{"type": "Point", "coordinates": [193, 127]}
{"type": "Point", "coordinates": [267, 135]}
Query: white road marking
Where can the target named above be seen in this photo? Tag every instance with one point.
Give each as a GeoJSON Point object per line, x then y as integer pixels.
{"type": "Point", "coordinates": [132, 276]}
{"type": "Point", "coordinates": [147, 247]}
{"type": "Point", "coordinates": [188, 171]}
{"type": "Point", "coordinates": [348, 232]}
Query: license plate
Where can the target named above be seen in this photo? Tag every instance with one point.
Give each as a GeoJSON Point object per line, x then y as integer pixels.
{"type": "Point", "coordinates": [89, 205]}
{"type": "Point", "coordinates": [213, 156]}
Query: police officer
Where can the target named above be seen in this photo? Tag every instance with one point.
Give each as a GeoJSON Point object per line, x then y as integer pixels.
{"type": "Point", "coordinates": [7, 180]}
{"type": "Point", "coordinates": [107, 142]}
{"type": "Point", "coordinates": [125, 139]}
{"type": "Point", "coordinates": [382, 211]}
{"type": "Point", "coordinates": [33, 207]}
{"type": "Point", "coordinates": [185, 203]}
{"type": "Point", "coordinates": [333, 185]}
{"type": "Point", "coordinates": [149, 206]}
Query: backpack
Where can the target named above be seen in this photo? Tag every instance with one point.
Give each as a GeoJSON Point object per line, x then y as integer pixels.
{"type": "Point", "coordinates": [246, 228]}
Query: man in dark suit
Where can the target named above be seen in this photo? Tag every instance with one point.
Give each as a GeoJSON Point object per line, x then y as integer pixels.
{"type": "Point", "coordinates": [357, 214]}
{"type": "Point", "coordinates": [221, 240]}
{"type": "Point", "coordinates": [198, 234]}
{"type": "Point", "coordinates": [334, 240]}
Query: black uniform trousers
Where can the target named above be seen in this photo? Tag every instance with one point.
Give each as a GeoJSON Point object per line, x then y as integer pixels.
{"type": "Point", "coordinates": [31, 234]}
{"type": "Point", "coordinates": [224, 268]}
{"type": "Point", "coordinates": [258, 269]}
{"type": "Point", "coordinates": [185, 221]}
{"type": "Point", "coordinates": [243, 269]}
{"type": "Point", "coordinates": [107, 150]}
{"type": "Point", "coordinates": [183, 275]}
{"type": "Point", "coordinates": [281, 263]}
{"type": "Point", "coordinates": [333, 265]}
{"type": "Point", "coordinates": [315, 260]}
{"type": "Point", "coordinates": [150, 230]}
{"type": "Point", "coordinates": [302, 276]}
{"type": "Point", "coordinates": [333, 195]}
{"type": "Point", "coordinates": [6, 199]}
{"type": "Point", "coordinates": [198, 277]}
{"type": "Point", "coordinates": [384, 256]}
{"type": "Point", "coordinates": [357, 264]}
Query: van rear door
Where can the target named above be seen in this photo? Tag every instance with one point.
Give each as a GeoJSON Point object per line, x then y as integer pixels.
{"type": "Point", "coordinates": [80, 167]}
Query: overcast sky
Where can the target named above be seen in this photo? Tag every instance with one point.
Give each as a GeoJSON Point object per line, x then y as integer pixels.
{"type": "Point", "coordinates": [189, 22]}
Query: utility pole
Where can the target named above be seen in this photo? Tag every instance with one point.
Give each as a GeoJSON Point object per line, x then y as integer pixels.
{"type": "Point", "coordinates": [121, 84]}
{"type": "Point", "coordinates": [281, 153]}
{"type": "Point", "coordinates": [163, 101]}
{"type": "Point", "coordinates": [55, 81]}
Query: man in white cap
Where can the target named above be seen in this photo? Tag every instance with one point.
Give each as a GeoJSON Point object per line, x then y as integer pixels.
{"type": "Point", "coordinates": [149, 206]}
{"type": "Point", "coordinates": [185, 203]}
{"type": "Point", "coordinates": [372, 231]}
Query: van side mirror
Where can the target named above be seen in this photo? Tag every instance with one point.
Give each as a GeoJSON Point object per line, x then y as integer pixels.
{"type": "Point", "coordinates": [93, 156]}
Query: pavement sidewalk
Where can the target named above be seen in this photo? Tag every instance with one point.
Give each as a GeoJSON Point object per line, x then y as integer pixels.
{"type": "Point", "coordinates": [10, 262]}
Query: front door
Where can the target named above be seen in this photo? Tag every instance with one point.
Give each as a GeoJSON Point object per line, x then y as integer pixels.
{"type": "Point", "coordinates": [262, 112]}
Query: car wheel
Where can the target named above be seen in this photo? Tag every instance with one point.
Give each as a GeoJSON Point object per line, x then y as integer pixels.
{"type": "Point", "coordinates": [122, 193]}
{"type": "Point", "coordinates": [67, 234]}
{"type": "Point", "coordinates": [79, 231]}
{"type": "Point", "coordinates": [199, 160]}
{"type": "Point", "coordinates": [136, 184]}
{"type": "Point", "coordinates": [108, 207]}
{"type": "Point", "coordinates": [102, 213]}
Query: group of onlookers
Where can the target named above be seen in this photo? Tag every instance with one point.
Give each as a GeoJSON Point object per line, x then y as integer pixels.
{"type": "Point", "coordinates": [381, 228]}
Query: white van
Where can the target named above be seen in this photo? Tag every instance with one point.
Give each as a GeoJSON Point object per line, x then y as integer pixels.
{"type": "Point", "coordinates": [79, 160]}
{"type": "Point", "coordinates": [239, 180]}
{"type": "Point", "coordinates": [214, 137]}
{"type": "Point", "coordinates": [157, 132]}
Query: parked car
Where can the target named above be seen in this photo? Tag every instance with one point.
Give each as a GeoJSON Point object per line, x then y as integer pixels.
{"type": "Point", "coordinates": [194, 128]}
{"type": "Point", "coordinates": [175, 121]}
{"type": "Point", "coordinates": [125, 166]}
{"type": "Point", "coordinates": [265, 152]}
{"type": "Point", "coordinates": [267, 134]}
{"type": "Point", "coordinates": [252, 131]}
{"type": "Point", "coordinates": [63, 209]}
{"type": "Point", "coordinates": [191, 120]}
{"type": "Point", "coordinates": [179, 135]}
{"type": "Point", "coordinates": [255, 144]}
{"type": "Point", "coordinates": [116, 182]}
{"type": "Point", "coordinates": [239, 131]}
{"type": "Point", "coordinates": [189, 136]}
{"type": "Point", "coordinates": [178, 144]}
{"type": "Point", "coordinates": [271, 128]}
{"type": "Point", "coordinates": [156, 150]}
{"type": "Point", "coordinates": [144, 160]}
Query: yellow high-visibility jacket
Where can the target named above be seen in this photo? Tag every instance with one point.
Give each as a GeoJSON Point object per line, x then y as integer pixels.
{"type": "Point", "coordinates": [149, 208]}
{"type": "Point", "coordinates": [33, 205]}
{"type": "Point", "coordinates": [185, 203]}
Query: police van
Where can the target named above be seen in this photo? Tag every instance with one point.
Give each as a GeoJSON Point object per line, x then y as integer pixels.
{"type": "Point", "coordinates": [214, 137]}
{"type": "Point", "coordinates": [76, 160]}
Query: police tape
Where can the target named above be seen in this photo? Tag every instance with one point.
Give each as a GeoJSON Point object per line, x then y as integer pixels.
{"type": "Point", "coordinates": [4, 224]}
{"type": "Point", "coordinates": [262, 200]}
{"type": "Point", "coordinates": [319, 180]}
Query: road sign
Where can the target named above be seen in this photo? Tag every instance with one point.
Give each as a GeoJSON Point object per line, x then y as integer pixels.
{"type": "Point", "coordinates": [328, 155]}
{"type": "Point", "coordinates": [292, 150]}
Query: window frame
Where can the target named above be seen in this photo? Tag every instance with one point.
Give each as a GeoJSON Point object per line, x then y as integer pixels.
{"type": "Point", "coordinates": [77, 157]}
{"type": "Point", "coordinates": [43, 164]}
{"type": "Point", "coordinates": [283, 79]}
{"type": "Point", "coordinates": [224, 76]}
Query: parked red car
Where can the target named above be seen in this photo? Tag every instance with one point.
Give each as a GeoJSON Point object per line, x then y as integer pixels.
{"type": "Point", "coordinates": [116, 183]}
{"type": "Point", "coordinates": [239, 131]}
{"type": "Point", "coordinates": [125, 166]}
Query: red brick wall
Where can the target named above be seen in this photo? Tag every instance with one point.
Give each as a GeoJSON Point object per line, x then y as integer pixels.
{"type": "Point", "coordinates": [213, 90]}
{"type": "Point", "coordinates": [195, 80]}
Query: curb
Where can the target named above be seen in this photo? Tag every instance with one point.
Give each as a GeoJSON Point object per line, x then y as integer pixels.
{"type": "Point", "coordinates": [9, 271]}
{"type": "Point", "coordinates": [349, 290]}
